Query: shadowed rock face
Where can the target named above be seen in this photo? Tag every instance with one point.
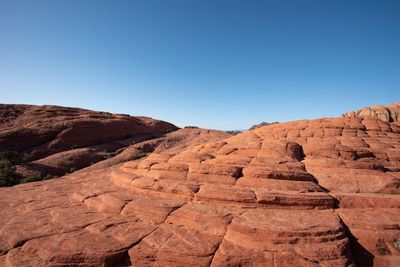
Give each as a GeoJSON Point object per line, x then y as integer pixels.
{"type": "Point", "coordinates": [58, 139]}
{"type": "Point", "coordinates": [305, 193]}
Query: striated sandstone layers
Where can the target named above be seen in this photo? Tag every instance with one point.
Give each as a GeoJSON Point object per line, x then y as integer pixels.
{"type": "Point", "coordinates": [390, 113]}
{"type": "Point", "coordinates": [170, 143]}
{"type": "Point", "coordinates": [56, 140]}
{"type": "Point", "coordinates": [320, 192]}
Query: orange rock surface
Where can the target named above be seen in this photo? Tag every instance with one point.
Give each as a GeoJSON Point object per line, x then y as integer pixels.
{"type": "Point", "coordinates": [390, 113]}
{"type": "Point", "coordinates": [322, 192]}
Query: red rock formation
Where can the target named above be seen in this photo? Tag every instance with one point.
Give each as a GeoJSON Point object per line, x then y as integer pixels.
{"type": "Point", "coordinates": [389, 113]}
{"type": "Point", "coordinates": [323, 192]}
{"type": "Point", "coordinates": [172, 142]}
{"type": "Point", "coordinates": [56, 139]}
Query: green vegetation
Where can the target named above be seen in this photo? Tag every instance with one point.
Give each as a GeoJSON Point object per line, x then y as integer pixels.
{"type": "Point", "coordinates": [139, 155]}
{"type": "Point", "coordinates": [233, 132]}
{"type": "Point", "coordinates": [8, 173]}
{"type": "Point", "coordinates": [264, 123]}
{"type": "Point", "coordinates": [31, 178]}
{"type": "Point", "coordinates": [11, 156]}
{"type": "Point", "coordinates": [71, 170]}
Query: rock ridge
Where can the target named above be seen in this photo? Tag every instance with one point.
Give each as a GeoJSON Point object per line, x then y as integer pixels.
{"type": "Point", "coordinates": [322, 192]}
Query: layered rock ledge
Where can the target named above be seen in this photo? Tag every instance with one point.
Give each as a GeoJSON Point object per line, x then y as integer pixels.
{"type": "Point", "coordinates": [320, 192]}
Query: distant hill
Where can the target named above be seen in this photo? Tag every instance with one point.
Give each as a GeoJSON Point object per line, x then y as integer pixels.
{"type": "Point", "coordinates": [53, 140]}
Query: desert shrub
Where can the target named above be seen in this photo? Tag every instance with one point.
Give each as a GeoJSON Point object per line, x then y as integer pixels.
{"type": "Point", "coordinates": [108, 155]}
{"type": "Point", "coordinates": [73, 169]}
{"type": "Point", "coordinates": [49, 176]}
{"type": "Point", "coordinates": [107, 114]}
{"type": "Point", "coordinates": [233, 132]}
{"type": "Point", "coordinates": [8, 174]}
{"type": "Point", "coordinates": [31, 178]}
{"type": "Point", "coordinates": [11, 156]}
{"type": "Point", "coordinates": [264, 123]}
{"type": "Point", "coordinates": [139, 155]}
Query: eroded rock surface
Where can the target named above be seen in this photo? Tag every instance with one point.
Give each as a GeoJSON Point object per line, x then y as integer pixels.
{"type": "Point", "coordinates": [390, 113]}
{"type": "Point", "coordinates": [173, 143]}
{"type": "Point", "coordinates": [320, 192]}
{"type": "Point", "coordinates": [57, 140]}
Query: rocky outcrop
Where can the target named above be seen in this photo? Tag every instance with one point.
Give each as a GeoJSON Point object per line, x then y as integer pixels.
{"type": "Point", "coordinates": [320, 192]}
{"type": "Point", "coordinates": [389, 113]}
{"type": "Point", "coordinates": [55, 140]}
{"type": "Point", "coordinates": [262, 124]}
{"type": "Point", "coordinates": [172, 143]}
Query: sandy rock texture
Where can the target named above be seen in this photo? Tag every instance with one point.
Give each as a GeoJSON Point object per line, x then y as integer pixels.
{"type": "Point", "coordinates": [388, 113]}
{"type": "Point", "coordinates": [322, 192]}
{"type": "Point", "coordinates": [56, 140]}
{"type": "Point", "coordinates": [172, 143]}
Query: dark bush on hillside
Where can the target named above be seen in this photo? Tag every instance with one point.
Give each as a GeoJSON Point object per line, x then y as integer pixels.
{"type": "Point", "coordinates": [8, 174]}
{"type": "Point", "coordinates": [264, 123]}
{"type": "Point", "coordinates": [11, 156]}
{"type": "Point", "coordinates": [233, 132]}
{"type": "Point", "coordinates": [32, 178]}
{"type": "Point", "coordinates": [140, 155]}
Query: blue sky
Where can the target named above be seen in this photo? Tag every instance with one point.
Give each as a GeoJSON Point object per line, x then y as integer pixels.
{"type": "Point", "coordinates": [222, 64]}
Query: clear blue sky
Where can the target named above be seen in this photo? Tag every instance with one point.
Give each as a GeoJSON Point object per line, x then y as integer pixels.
{"type": "Point", "coordinates": [221, 64]}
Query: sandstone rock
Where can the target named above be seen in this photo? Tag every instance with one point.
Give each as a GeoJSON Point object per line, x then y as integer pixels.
{"type": "Point", "coordinates": [57, 140]}
{"type": "Point", "coordinates": [171, 143]}
{"type": "Point", "coordinates": [319, 192]}
{"type": "Point", "coordinates": [286, 237]}
{"type": "Point", "coordinates": [389, 113]}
